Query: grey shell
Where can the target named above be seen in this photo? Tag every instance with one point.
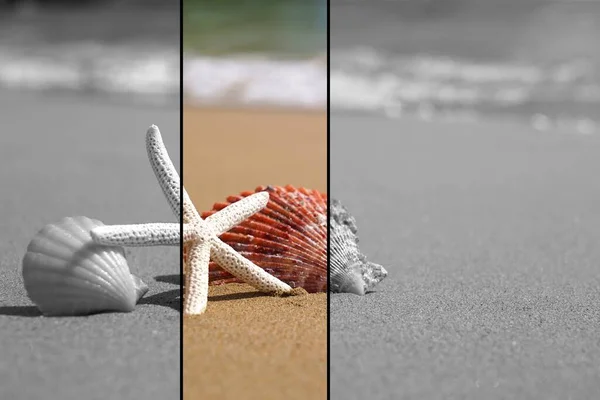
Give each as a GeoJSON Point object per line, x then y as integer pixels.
{"type": "Point", "coordinates": [350, 272]}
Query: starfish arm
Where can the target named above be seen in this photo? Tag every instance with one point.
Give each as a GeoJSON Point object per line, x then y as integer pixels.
{"type": "Point", "coordinates": [237, 212]}
{"type": "Point", "coordinates": [190, 214]}
{"type": "Point", "coordinates": [155, 234]}
{"type": "Point", "coordinates": [163, 168]}
{"type": "Point", "coordinates": [196, 279]}
{"type": "Point", "coordinates": [189, 233]}
{"type": "Point", "coordinates": [244, 269]}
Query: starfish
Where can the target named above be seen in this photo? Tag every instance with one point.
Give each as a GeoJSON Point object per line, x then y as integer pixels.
{"type": "Point", "coordinates": [200, 236]}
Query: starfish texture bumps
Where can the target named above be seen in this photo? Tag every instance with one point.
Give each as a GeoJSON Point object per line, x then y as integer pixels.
{"type": "Point", "coordinates": [200, 236]}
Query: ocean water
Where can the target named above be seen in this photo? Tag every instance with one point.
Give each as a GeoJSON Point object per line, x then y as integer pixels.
{"type": "Point", "coordinates": [533, 60]}
{"type": "Point", "coordinates": [56, 48]}
{"type": "Point", "coordinates": [267, 52]}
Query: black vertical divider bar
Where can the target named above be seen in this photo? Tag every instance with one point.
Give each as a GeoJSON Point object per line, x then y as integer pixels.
{"type": "Point", "coordinates": [181, 194]}
{"type": "Point", "coordinates": [328, 198]}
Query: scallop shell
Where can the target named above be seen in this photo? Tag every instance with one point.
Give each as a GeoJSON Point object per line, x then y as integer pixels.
{"type": "Point", "coordinates": [288, 238]}
{"type": "Point", "coordinates": [350, 270]}
{"type": "Point", "coordinates": [140, 287]}
{"type": "Point", "coordinates": [66, 273]}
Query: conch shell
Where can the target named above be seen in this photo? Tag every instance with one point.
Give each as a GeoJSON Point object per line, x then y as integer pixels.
{"type": "Point", "coordinates": [66, 273]}
{"type": "Point", "coordinates": [350, 270]}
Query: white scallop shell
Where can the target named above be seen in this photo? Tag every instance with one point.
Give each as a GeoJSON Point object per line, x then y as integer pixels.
{"type": "Point", "coordinates": [350, 272]}
{"type": "Point", "coordinates": [66, 273]}
{"type": "Point", "coordinates": [140, 287]}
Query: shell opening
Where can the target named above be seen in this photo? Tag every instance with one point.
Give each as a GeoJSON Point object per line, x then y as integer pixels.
{"type": "Point", "coordinates": [351, 281]}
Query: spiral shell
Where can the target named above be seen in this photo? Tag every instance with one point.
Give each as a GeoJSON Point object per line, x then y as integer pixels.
{"type": "Point", "coordinates": [350, 270]}
{"type": "Point", "coordinates": [66, 273]}
{"type": "Point", "coordinates": [288, 238]}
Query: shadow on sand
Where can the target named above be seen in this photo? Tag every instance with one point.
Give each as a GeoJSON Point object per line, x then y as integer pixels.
{"type": "Point", "coordinates": [20, 311]}
{"type": "Point", "coordinates": [171, 299]}
{"type": "Point", "coordinates": [236, 296]}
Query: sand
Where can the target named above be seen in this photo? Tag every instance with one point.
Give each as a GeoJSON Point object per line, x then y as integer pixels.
{"type": "Point", "coordinates": [65, 156]}
{"type": "Point", "coordinates": [251, 345]}
{"type": "Point", "coordinates": [490, 234]}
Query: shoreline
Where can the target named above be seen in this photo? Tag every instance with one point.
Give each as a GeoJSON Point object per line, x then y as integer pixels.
{"type": "Point", "coordinates": [262, 80]}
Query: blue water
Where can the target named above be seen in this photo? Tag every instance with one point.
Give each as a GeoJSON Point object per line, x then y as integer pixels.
{"type": "Point", "coordinates": [290, 28]}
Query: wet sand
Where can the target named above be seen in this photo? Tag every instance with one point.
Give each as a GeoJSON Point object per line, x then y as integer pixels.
{"type": "Point", "coordinates": [247, 344]}
{"type": "Point", "coordinates": [490, 235]}
{"type": "Point", "coordinates": [65, 156]}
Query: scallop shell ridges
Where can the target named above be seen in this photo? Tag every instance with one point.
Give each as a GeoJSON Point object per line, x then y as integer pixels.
{"type": "Point", "coordinates": [288, 238]}
{"type": "Point", "coordinates": [66, 273]}
{"type": "Point", "coordinates": [350, 270]}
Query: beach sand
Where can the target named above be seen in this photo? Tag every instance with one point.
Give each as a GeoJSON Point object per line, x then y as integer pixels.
{"type": "Point", "coordinates": [490, 234]}
{"type": "Point", "coordinates": [66, 155]}
{"type": "Point", "coordinates": [247, 344]}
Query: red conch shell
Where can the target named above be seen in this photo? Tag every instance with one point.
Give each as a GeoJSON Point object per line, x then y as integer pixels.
{"type": "Point", "coordinates": [288, 238]}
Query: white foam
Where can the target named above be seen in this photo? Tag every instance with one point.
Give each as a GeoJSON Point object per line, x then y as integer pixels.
{"type": "Point", "coordinates": [255, 80]}
{"type": "Point", "coordinates": [365, 79]}
{"type": "Point", "coordinates": [92, 67]}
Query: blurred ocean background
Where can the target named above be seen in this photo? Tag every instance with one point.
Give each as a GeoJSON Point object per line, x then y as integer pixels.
{"type": "Point", "coordinates": [119, 49]}
{"type": "Point", "coordinates": [533, 60]}
{"type": "Point", "coordinates": [259, 53]}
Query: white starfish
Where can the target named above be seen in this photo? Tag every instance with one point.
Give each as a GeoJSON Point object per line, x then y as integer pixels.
{"type": "Point", "coordinates": [200, 235]}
